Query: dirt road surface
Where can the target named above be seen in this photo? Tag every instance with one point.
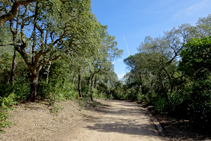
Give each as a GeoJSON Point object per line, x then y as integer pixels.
{"type": "Point", "coordinates": [114, 121]}
{"type": "Point", "coordinates": [117, 121]}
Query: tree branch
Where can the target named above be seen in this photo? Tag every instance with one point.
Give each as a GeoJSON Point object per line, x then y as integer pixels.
{"type": "Point", "coordinates": [7, 45]}
{"type": "Point", "coordinates": [14, 10]}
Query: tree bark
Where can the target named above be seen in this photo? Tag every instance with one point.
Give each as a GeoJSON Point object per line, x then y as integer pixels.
{"type": "Point", "coordinates": [34, 76]}
{"type": "Point", "coordinates": [88, 81]}
{"type": "Point", "coordinates": [79, 85]}
{"type": "Point", "coordinates": [15, 37]}
{"type": "Point", "coordinates": [48, 72]}
{"type": "Point", "coordinates": [95, 83]}
{"type": "Point", "coordinates": [91, 97]}
{"type": "Point", "coordinates": [33, 90]}
{"type": "Point", "coordinates": [13, 67]}
{"type": "Point", "coordinates": [91, 82]}
{"type": "Point", "coordinates": [91, 93]}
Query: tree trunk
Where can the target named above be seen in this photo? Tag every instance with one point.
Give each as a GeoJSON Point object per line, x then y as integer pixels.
{"type": "Point", "coordinates": [13, 68]}
{"type": "Point", "coordinates": [91, 82]}
{"type": "Point", "coordinates": [15, 37]}
{"type": "Point", "coordinates": [33, 90]}
{"type": "Point", "coordinates": [48, 72]}
{"type": "Point", "coordinates": [88, 81]}
{"type": "Point", "coordinates": [91, 93]}
{"type": "Point", "coordinates": [163, 89]}
{"type": "Point", "coordinates": [95, 83]}
{"type": "Point", "coordinates": [73, 81]}
{"type": "Point", "coordinates": [91, 97]}
{"type": "Point", "coordinates": [79, 85]}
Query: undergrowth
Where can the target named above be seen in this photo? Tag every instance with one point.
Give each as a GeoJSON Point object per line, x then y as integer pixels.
{"type": "Point", "coordinates": [6, 103]}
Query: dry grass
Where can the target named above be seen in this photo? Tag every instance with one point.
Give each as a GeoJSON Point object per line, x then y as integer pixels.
{"type": "Point", "coordinates": [36, 122]}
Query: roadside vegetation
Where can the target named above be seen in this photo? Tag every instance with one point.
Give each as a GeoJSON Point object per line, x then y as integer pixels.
{"type": "Point", "coordinates": [53, 50]}
{"type": "Point", "coordinates": [172, 73]}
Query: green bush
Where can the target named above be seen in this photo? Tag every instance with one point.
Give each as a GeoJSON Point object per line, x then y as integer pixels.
{"type": "Point", "coordinates": [142, 98]}
{"type": "Point", "coordinates": [199, 108]}
{"type": "Point", "coordinates": [98, 95]}
{"type": "Point", "coordinates": [20, 88]}
{"type": "Point", "coordinates": [56, 92]}
{"type": "Point", "coordinates": [6, 102]}
{"type": "Point", "coordinates": [132, 94]}
{"type": "Point", "coordinates": [3, 119]}
{"type": "Point", "coordinates": [160, 104]}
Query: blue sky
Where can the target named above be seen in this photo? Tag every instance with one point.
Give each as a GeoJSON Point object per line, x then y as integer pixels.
{"type": "Point", "coordinates": [136, 19]}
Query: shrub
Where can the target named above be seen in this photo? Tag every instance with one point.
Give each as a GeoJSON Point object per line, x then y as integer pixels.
{"type": "Point", "coordinates": [98, 95]}
{"type": "Point", "coordinates": [6, 102]}
{"type": "Point", "coordinates": [199, 108]}
{"type": "Point", "coordinates": [142, 98]}
{"type": "Point", "coordinates": [160, 104]}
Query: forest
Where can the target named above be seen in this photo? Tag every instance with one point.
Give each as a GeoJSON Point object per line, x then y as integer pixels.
{"type": "Point", "coordinates": [57, 50]}
{"type": "Point", "coordinates": [172, 72]}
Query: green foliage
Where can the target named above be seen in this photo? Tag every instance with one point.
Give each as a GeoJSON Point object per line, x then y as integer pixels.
{"type": "Point", "coordinates": [142, 98]}
{"type": "Point", "coordinates": [98, 95]}
{"type": "Point", "coordinates": [199, 108]}
{"type": "Point", "coordinates": [5, 67]}
{"type": "Point", "coordinates": [3, 120]}
{"type": "Point", "coordinates": [58, 92]}
{"type": "Point", "coordinates": [196, 65]}
{"type": "Point", "coordinates": [196, 59]}
{"type": "Point", "coordinates": [66, 40]}
{"type": "Point", "coordinates": [20, 88]}
{"type": "Point", "coordinates": [132, 94]}
{"type": "Point", "coordinates": [160, 104]}
{"type": "Point", "coordinates": [172, 72]}
{"type": "Point", "coordinates": [6, 103]}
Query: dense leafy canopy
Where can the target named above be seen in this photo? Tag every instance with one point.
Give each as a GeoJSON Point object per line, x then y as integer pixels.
{"type": "Point", "coordinates": [196, 59]}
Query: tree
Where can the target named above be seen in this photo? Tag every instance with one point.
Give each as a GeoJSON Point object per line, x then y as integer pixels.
{"type": "Point", "coordinates": [203, 27]}
{"type": "Point", "coordinates": [195, 63]}
{"type": "Point", "coordinates": [102, 60]}
{"type": "Point", "coordinates": [163, 53]}
{"type": "Point", "coordinates": [55, 30]}
{"type": "Point", "coordinates": [196, 58]}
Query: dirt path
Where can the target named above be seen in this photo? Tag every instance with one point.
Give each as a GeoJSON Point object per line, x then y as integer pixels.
{"type": "Point", "coordinates": [117, 121]}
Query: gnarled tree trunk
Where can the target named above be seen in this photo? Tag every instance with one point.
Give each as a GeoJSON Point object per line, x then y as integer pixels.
{"type": "Point", "coordinates": [33, 90]}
